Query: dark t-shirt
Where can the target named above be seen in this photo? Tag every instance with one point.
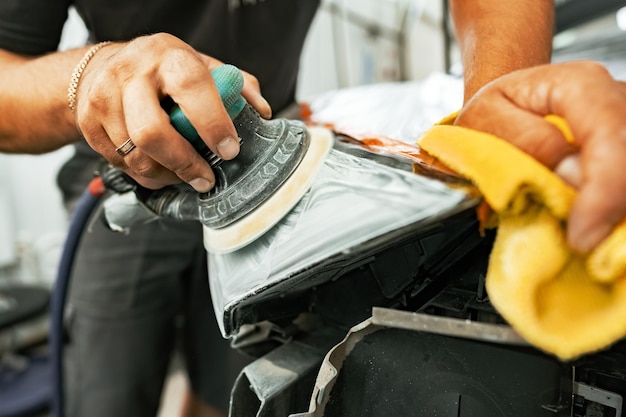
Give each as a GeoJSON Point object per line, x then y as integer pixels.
{"type": "Point", "coordinates": [263, 37]}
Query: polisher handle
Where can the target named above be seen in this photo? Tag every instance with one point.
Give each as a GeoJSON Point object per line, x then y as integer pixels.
{"type": "Point", "coordinates": [229, 82]}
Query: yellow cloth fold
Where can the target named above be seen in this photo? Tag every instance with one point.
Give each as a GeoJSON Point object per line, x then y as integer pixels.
{"type": "Point", "coordinates": [559, 301]}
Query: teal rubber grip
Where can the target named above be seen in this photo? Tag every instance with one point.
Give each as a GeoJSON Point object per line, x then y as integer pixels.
{"type": "Point", "coordinates": [229, 82]}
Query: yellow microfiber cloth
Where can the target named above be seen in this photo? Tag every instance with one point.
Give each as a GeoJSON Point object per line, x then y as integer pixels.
{"type": "Point", "coordinates": [562, 302]}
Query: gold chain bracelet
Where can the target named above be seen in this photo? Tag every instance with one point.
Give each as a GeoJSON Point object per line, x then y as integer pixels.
{"type": "Point", "coordinates": [78, 72]}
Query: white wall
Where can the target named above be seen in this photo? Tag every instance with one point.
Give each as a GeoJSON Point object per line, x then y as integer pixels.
{"type": "Point", "coordinates": [355, 42]}
{"type": "Point", "coordinates": [33, 221]}
{"type": "Point", "coordinates": [8, 232]}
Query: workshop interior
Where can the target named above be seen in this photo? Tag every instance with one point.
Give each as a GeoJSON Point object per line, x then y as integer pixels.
{"type": "Point", "coordinates": [352, 300]}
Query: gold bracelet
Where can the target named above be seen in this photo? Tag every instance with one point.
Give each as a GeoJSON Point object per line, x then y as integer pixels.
{"type": "Point", "coordinates": [78, 72]}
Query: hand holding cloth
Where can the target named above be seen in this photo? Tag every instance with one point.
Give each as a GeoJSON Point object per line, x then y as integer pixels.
{"type": "Point", "coordinates": [561, 301]}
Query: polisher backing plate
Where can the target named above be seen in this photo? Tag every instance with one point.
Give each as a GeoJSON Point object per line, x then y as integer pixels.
{"type": "Point", "coordinates": [265, 216]}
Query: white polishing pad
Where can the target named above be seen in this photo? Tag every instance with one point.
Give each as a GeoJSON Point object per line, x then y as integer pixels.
{"type": "Point", "coordinates": [264, 217]}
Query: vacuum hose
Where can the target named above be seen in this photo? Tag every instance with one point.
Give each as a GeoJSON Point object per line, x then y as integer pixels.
{"type": "Point", "coordinates": [88, 201]}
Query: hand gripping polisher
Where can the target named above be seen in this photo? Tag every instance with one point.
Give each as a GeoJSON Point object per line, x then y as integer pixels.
{"type": "Point", "coordinates": [276, 165]}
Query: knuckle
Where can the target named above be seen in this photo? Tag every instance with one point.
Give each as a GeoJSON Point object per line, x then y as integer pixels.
{"type": "Point", "coordinates": [183, 68]}
{"type": "Point", "coordinates": [185, 170]}
{"type": "Point", "coordinates": [94, 98]}
{"type": "Point", "coordinates": [592, 68]}
{"type": "Point", "coordinates": [251, 80]}
{"type": "Point", "coordinates": [163, 37]}
{"type": "Point", "coordinates": [143, 166]}
{"type": "Point", "coordinates": [98, 102]}
{"type": "Point", "coordinates": [145, 135]}
{"type": "Point", "coordinates": [154, 41]}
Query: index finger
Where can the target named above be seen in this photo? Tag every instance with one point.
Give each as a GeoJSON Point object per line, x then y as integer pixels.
{"type": "Point", "coordinates": [184, 77]}
{"type": "Point", "coordinates": [150, 129]}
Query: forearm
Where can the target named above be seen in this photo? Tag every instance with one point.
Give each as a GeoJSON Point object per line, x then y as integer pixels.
{"type": "Point", "coordinates": [34, 113]}
{"type": "Point", "coordinates": [500, 36]}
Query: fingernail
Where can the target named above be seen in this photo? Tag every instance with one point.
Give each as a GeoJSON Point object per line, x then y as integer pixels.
{"type": "Point", "coordinates": [267, 110]}
{"type": "Point", "coordinates": [570, 171]}
{"type": "Point", "coordinates": [228, 148]}
{"type": "Point", "coordinates": [201, 185]}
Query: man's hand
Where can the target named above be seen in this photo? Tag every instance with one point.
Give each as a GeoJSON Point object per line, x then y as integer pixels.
{"type": "Point", "coordinates": [594, 105]}
{"type": "Point", "coordinates": [119, 97]}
